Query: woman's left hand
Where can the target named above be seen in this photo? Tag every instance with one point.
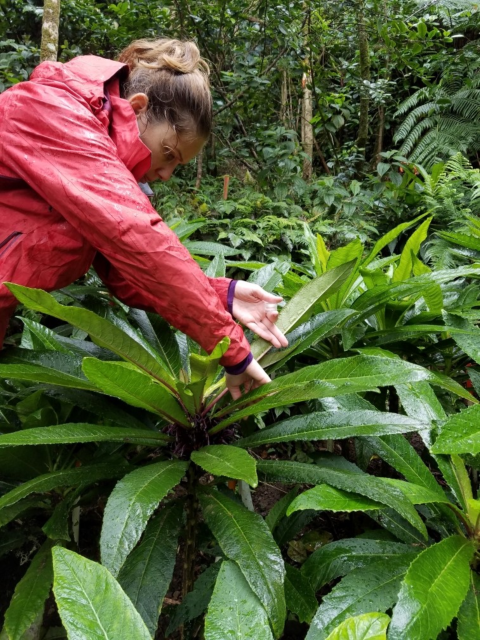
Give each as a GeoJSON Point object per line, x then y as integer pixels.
{"type": "Point", "coordinates": [249, 309]}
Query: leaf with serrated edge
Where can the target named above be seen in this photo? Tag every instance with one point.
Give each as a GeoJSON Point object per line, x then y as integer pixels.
{"type": "Point", "coordinates": [326, 498]}
{"type": "Point", "coordinates": [235, 612]}
{"type": "Point", "coordinates": [373, 587]}
{"type": "Point", "coordinates": [433, 589]}
{"type": "Point", "coordinates": [224, 460]}
{"type": "Point", "coordinates": [363, 484]}
{"type": "Point", "coordinates": [336, 559]}
{"type": "Point", "coordinates": [299, 595]}
{"type": "Point", "coordinates": [323, 425]}
{"type": "Point", "coordinates": [91, 603]}
{"type": "Point", "coordinates": [245, 538]}
{"type": "Point", "coordinates": [122, 380]}
{"type": "Point", "coordinates": [71, 433]}
{"type": "Point", "coordinates": [64, 478]}
{"type": "Point", "coordinates": [148, 570]}
{"type": "Point", "coordinates": [129, 507]}
{"type": "Point", "coordinates": [468, 627]}
{"type": "Point", "coordinates": [102, 332]}
{"type": "Point", "coordinates": [369, 626]}
{"type": "Point", "coordinates": [460, 434]}
{"type": "Point", "coordinates": [28, 601]}
{"type": "Point", "coordinates": [39, 374]}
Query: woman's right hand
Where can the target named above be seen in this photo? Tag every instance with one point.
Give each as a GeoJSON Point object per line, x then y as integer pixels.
{"type": "Point", "coordinates": [254, 376]}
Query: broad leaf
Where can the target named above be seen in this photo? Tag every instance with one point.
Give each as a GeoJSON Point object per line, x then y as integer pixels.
{"type": "Point", "coordinates": [28, 601]}
{"type": "Point", "coordinates": [369, 486]}
{"type": "Point", "coordinates": [64, 478]}
{"type": "Point", "coordinates": [336, 559]}
{"type": "Point", "coordinates": [412, 246]}
{"type": "Point", "coordinates": [371, 588]}
{"type": "Point", "coordinates": [328, 379]}
{"type": "Point", "coordinates": [225, 460]}
{"type": "Point", "coordinates": [102, 332]}
{"type": "Point", "coordinates": [235, 612]}
{"type": "Point", "coordinates": [129, 507]}
{"type": "Point", "coordinates": [299, 595]}
{"type": "Point", "coordinates": [90, 601]}
{"type": "Point", "coordinates": [468, 627]}
{"type": "Point", "coordinates": [387, 238]}
{"type": "Point", "coordinates": [245, 538]}
{"type": "Point", "coordinates": [468, 343]}
{"type": "Point", "coordinates": [123, 381]}
{"type": "Point", "coordinates": [460, 434]}
{"type": "Point", "coordinates": [148, 570]}
{"type": "Point", "coordinates": [327, 498]}
{"type": "Point", "coordinates": [161, 337]}
{"type": "Point", "coordinates": [71, 433]}
{"type": "Point", "coordinates": [433, 590]}
{"type": "Point", "coordinates": [332, 425]}
{"type": "Point", "coordinates": [369, 626]}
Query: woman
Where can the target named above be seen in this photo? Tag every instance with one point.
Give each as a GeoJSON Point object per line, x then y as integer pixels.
{"type": "Point", "coordinates": [75, 140]}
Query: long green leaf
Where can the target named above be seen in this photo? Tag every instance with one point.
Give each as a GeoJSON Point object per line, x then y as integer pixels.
{"type": "Point", "coordinates": [469, 615]}
{"type": "Point", "coordinates": [332, 425]}
{"type": "Point", "coordinates": [245, 538]}
{"type": "Point", "coordinates": [64, 478]}
{"type": "Point", "coordinates": [102, 332]}
{"type": "Point", "coordinates": [316, 290]}
{"type": "Point", "coordinates": [235, 612]}
{"type": "Point", "coordinates": [148, 570]}
{"type": "Point", "coordinates": [326, 498]}
{"type": "Point", "coordinates": [369, 486]}
{"type": "Point", "coordinates": [336, 559]}
{"type": "Point", "coordinates": [388, 237]}
{"type": "Point", "coordinates": [299, 595]}
{"type": "Point", "coordinates": [28, 601]}
{"type": "Point", "coordinates": [70, 433]}
{"type": "Point", "coordinates": [225, 460]}
{"type": "Point", "coordinates": [369, 626]}
{"type": "Point", "coordinates": [129, 507]}
{"type": "Point", "coordinates": [328, 379]}
{"type": "Point", "coordinates": [433, 589]}
{"type": "Point", "coordinates": [412, 246]}
{"type": "Point", "coordinates": [363, 590]}
{"type": "Point", "coordinates": [460, 434]}
{"type": "Point", "coordinates": [39, 374]}
{"type": "Point", "coordinates": [121, 380]}
{"type": "Point", "coordinates": [91, 603]}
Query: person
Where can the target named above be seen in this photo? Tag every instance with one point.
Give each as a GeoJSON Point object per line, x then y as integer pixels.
{"type": "Point", "coordinates": [76, 140]}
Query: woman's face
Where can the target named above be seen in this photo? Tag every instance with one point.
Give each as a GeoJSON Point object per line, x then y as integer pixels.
{"type": "Point", "coordinates": [168, 148]}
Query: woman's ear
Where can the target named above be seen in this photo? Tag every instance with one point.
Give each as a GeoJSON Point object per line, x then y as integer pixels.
{"type": "Point", "coordinates": [139, 102]}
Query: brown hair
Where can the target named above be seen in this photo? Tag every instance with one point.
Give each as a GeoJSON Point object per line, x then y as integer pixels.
{"type": "Point", "coordinates": [175, 78]}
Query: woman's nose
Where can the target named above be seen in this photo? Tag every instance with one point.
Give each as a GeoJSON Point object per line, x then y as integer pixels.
{"type": "Point", "coordinates": [165, 173]}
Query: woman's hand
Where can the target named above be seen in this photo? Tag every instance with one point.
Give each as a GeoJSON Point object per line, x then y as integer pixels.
{"type": "Point", "coordinates": [253, 376]}
{"type": "Point", "coordinates": [249, 309]}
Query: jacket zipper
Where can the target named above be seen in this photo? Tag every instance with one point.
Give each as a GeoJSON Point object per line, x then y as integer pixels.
{"type": "Point", "coordinates": [9, 240]}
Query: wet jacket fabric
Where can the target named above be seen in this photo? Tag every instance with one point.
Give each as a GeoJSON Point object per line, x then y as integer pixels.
{"type": "Point", "coordinates": [70, 160]}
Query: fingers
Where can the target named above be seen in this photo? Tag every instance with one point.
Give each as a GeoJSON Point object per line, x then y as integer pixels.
{"type": "Point", "coordinates": [264, 332]}
{"type": "Point", "coordinates": [282, 340]}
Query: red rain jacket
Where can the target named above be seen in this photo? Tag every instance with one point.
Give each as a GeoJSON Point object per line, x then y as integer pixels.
{"type": "Point", "coordinates": [70, 159]}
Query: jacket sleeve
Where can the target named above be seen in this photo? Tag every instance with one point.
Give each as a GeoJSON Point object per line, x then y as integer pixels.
{"type": "Point", "coordinates": [134, 297]}
{"type": "Point", "coordinates": [52, 140]}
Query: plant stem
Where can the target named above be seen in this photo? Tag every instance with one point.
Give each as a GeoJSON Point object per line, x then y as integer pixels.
{"type": "Point", "coordinates": [188, 570]}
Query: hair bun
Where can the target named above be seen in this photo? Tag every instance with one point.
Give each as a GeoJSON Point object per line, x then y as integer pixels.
{"type": "Point", "coordinates": [176, 56]}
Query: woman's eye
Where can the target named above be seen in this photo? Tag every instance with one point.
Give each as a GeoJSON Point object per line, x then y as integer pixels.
{"type": "Point", "coordinates": [169, 156]}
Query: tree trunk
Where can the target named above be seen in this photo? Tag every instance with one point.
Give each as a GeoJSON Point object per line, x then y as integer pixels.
{"type": "Point", "coordinates": [380, 132]}
{"type": "Point", "coordinates": [199, 170]}
{"type": "Point", "coordinates": [307, 127]}
{"type": "Point", "coordinates": [284, 99]}
{"type": "Point", "coordinates": [362, 136]}
{"type": "Point", "coordinates": [50, 24]}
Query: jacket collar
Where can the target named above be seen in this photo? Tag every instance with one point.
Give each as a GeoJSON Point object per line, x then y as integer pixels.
{"type": "Point", "coordinates": [88, 76]}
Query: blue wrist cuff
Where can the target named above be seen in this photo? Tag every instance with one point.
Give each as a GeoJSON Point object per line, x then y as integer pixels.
{"type": "Point", "coordinates": [239, 368]}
